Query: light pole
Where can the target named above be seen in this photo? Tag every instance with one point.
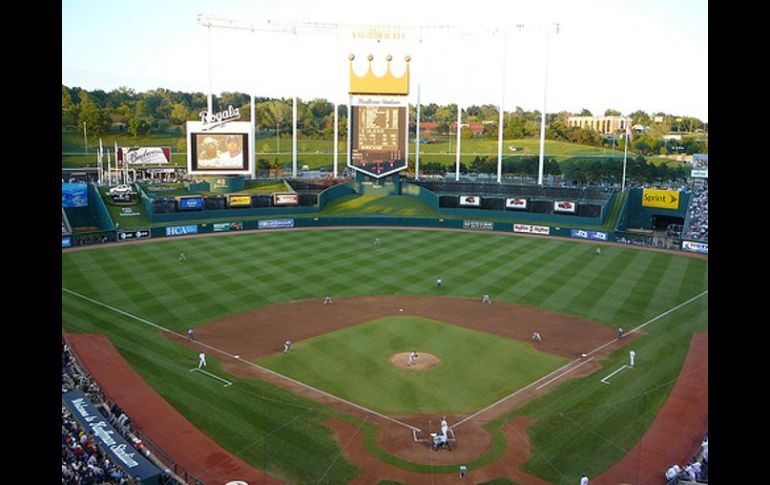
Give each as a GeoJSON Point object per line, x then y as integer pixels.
{"type": "Point", "coordinates": [542, 117]}
{"type": "Point", "coordinates": [85, 136]}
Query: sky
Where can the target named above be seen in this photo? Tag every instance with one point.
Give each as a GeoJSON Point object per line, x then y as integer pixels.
{"type": "Point", "coordinates": [649, 55]}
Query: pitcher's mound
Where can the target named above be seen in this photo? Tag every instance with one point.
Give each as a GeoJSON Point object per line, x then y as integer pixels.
{"type": "Point", "coordinates": [424, 361]}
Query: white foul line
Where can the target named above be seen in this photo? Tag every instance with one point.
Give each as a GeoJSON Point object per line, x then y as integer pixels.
{"type": "Point", "coordinates": [227, 383]}
{"type": "Point", "coordinates": [624, 366]}
{"type": "Point", "coordinates": [388, 418]}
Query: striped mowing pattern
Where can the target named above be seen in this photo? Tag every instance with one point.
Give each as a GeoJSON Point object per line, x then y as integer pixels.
{"type": "Point", "coordinates": [274, 430]}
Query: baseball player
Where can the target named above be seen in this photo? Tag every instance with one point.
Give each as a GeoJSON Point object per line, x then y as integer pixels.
{"type": "Point", "coordinates": [201, 360]}
{"type": "Point", "coordinates": [632, 356]}
{"type": "Point", "coordinates": [328, 300]}
{"type": "Point", "coordinates": [439, 282]}
{"type": "Point", "coordinates": [287, 346]}
{"type": "Point", "coordinates": [463, 471]}
{"type": "Point", "coordinates": [183, 256]}
{"type": "Point", "coordinates": [190, 336]}
{"type": "Point", "coordinates": [376, 241]}
{"type": "Point", "coordinates": [598, 251]}
{"type": "Point", "coordinates": [444, 425]}
{"type": "Point", "coordinates": [413, 358]}
{"type": "Point", "coordinates": [583, 479]}
{"type": "Point", "coordinates": [621, 334]}
{"type": "Point", "coordinates": [536, 337]}
{"type": "Point", "coordinates": [486, 299]}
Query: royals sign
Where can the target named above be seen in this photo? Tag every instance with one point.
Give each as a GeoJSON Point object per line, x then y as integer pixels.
{"type": "Point", "coordinates": [212, 120]}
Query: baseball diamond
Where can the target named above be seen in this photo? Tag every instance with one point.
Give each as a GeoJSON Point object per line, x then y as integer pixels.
{"type": "Point", "coordinates": [246, 301]}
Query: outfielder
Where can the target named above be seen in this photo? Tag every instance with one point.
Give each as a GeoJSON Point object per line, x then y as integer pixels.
{"type": "Point", "coordinates": [439, 282]}
{"type": "Point", "coordinates": [632, 356]}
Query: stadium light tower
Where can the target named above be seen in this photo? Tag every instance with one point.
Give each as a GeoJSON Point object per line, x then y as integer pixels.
{"type": "Point", "coordinates": [543, 115]}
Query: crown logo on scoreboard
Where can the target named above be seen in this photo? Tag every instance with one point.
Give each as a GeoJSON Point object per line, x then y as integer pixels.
{"type": "Point", "coordinates": [371, 84]}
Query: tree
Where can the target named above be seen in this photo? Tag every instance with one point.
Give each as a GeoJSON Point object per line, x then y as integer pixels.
{"type": "Point", "coordinates": [585, 112]}
{"type": "Point", "coordinates": [639, 117]}
{"type": "Point", "coordinates": [180, 114]}
{"type": "Point", "coordinates": [94, 117]}
{"type": "Point", "coordinates": [611, 112]}
{"type": "Point", "coordinates": [69, 110]}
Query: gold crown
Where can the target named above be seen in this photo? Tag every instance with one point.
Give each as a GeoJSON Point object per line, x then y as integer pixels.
{"type": "Point", "coordinates": [371, 84]}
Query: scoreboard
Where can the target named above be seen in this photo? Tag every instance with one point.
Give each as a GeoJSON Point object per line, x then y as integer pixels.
{"type": "Point", "coordinates": [378, 141]}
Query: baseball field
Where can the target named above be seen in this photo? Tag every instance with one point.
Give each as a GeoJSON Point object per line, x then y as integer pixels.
{"type": "Point", "coordinates": [244, 294]}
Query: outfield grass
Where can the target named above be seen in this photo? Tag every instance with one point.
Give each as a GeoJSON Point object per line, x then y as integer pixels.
{"type": "Point", "coordinates": [475, 369]}
{"type": "Point", "coordinates": [582, 426]}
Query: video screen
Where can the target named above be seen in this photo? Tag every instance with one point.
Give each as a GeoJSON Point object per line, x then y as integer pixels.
{"type": "Point", "coordinates": [220, 151]}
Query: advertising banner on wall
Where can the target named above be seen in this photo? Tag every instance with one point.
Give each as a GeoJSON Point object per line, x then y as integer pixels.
{"type": "Point", "coordinates": [130, 235]}
{"type": "Point", "coordinates": [564, 206]}
{"type": "Point", "coordinates": [182, 230]}
{"type": "Point", "coordinates": [108, 438]}
{"type": "Point", "coordinates": [239, 201]}
{"type": "Point", "coordinates": [478, 225]}
{"type": "Point", "coordinates": [584, 234]}
{"type": "Point", "coordinates": [528, 229]}
{"type": "Point", "coordinates": [228, 226]}
{"type": "Point", "coordinates": [470, 200]}
{"type": "Point", "coordinates": [662, 199]}
{"type": "Point", "coordinates": [695, 247]}
{"type": "Point", "coordinates": [515, 203]}
{"type": "Point", "coordinates": [275, 223]}
{"type": "Point", "coordinates": [190, 203]}
{"type": "Point", "coordinates": [66, 241]}
{"type": "Point", "coordinates": [286, 199]}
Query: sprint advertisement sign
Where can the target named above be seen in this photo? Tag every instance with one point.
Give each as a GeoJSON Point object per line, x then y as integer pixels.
{"type": "Point", "coordinates": [663, 199]}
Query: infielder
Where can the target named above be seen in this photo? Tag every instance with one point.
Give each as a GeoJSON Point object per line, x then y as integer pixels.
{"type": "Point", "coordinates": [620, 333]}
{"type": "Point", "coordinates": [463, 471]}
{"type": "Point", "coordinates": [286, 346]}
{"type": "Point", "coordinates": [201, 360]}
{"type": "Point", "coordinates": [486, 299]}
{"type": "Point", "coordinates": [190, 336]}
{"type": "Point", "coordinates": [536, 337]}
{"type": "Point", "coordinates": [413, 358]}
{"type": "Point", "coordinates": [328, 300]}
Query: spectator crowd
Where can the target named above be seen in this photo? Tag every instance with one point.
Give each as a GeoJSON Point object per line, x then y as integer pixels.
{"type": "Point", "coordinates": [83, 462]}
{"type": "Point", "coordinates": [698, 217]}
